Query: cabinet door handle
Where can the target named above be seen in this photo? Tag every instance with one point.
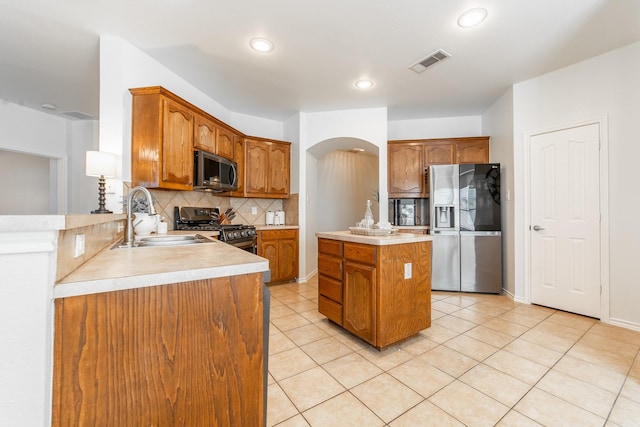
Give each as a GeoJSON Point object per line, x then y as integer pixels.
{"type": "Point", "coordinates": [537, 228]}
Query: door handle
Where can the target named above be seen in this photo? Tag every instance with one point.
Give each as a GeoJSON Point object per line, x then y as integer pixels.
{"type": "Point", "coordinates": [537, 228]}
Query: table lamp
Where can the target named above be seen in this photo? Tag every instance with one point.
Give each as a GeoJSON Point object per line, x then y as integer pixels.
{"type": "Point", "coordinates": [103, 165]}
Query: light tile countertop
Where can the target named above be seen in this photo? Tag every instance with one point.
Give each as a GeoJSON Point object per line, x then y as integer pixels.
{"type": "Point", "coordinates": [53, 222]}
{"type": "Point", "coordinates": [395, 239]}
{"type": "Point", "coordinates": [128, 268]}
{"type": "Point", "coordinates": [276, 227]}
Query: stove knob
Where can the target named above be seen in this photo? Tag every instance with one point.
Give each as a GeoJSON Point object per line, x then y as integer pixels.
{"type": "Point", "coordinates": [243, 233]}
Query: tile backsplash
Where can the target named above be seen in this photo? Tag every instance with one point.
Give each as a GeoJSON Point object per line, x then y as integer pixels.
{"type": "Point", "coordinates": [166, 200]}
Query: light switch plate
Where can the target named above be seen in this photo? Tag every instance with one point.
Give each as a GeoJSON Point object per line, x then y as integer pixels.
{"type": "Point", "coordinates": [254, 210]}
{"type": "Point", "coordinates": [407, 270]}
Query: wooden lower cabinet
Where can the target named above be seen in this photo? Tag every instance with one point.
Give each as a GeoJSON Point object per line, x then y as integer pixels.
{"type": "Point", "coordinates": [363, 288]}
{"type": "Point", "coordinates": [181, 354]}
{"type": "Point", "coordinates": [280, 247]}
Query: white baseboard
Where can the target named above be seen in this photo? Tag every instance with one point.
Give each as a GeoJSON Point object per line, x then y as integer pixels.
{"type": "Point", "coordinates": [624, 324]}
{"type": "Point", "coordinates": [307, 277]}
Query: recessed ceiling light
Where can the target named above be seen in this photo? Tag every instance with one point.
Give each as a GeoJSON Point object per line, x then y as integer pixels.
{"type": "Point", "coordinates": [48, 106]}
{"type": "Point", "coordinates": [472, 17]}
{"type": "Point", "coordinates": [364, 84]}
{"type": "Point", "coordinates": [261, 45]}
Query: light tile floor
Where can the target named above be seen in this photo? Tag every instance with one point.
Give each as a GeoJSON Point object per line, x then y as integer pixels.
{"type": "Point", "coordinates": [485, 361]}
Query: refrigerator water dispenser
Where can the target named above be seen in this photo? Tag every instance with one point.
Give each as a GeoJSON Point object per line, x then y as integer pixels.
{"type": "Point", "coordinates": [444, 217]}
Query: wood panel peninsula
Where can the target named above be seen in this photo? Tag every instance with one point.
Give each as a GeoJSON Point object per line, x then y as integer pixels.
{"type": "Point", "coordinates": [376, 287]}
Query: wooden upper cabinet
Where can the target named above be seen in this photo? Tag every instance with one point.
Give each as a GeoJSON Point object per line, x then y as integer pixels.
{"type": "Point", "coordinates": [267, 166]}
{"type": "Point", "coordinates": [165, 129]}
{"type": "Point", "coordinates": [256, 162]}
{"type": "Point", "coordinates": [409, 161]}
{"type": "Point", "coordinates": [204, 135]}
{"type": "Point", "coordinates": [439, 154]}
{"type": "Point", "coordinates": [161, 140]}
{"type": "Point", "coordinates": [279, 157]}
{"type": "Point", "coordinates": [213, 137]}
{"type": "Point", "coordinates": [177, 154]}
{"type": "Point", "coordinates": [474, 150]}
{"type": "Point", "coordinates": [406, 170]}
{"type": "Point", "coordinates": [225, 141]}
{"type": "Point", "coordinates": [238, 157]}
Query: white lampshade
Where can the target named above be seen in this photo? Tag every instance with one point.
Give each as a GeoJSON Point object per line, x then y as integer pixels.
{"type": "Point", "coordinates": [100, 163]}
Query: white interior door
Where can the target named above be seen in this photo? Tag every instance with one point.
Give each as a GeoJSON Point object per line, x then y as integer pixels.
{"type": "Point", "coordinates": [565, 220]}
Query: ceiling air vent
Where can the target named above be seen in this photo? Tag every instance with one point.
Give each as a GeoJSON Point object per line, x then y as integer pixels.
{"type": "Point", "coordinates": [434, 58]}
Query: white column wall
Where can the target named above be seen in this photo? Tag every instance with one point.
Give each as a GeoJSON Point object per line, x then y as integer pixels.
{"type": "Point", "coordinates": [497, 122]}
{"type": "Point", "coordinates": [27, 263]}
{"type": "Point", "coordinates": [366, 124]}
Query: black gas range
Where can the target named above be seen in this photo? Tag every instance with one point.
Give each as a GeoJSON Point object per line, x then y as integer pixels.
{"type": "Point", "coordinates": [208, 219]}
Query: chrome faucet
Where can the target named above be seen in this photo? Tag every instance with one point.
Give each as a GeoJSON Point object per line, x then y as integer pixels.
{"type": "Point", "coordinates": [128, 231]}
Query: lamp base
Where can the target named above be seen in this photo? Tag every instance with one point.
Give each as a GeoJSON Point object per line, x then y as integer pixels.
{"type": "Point", "coordinates": [101, 198]}
{"type": "Point", "coordinates": [101, 211]}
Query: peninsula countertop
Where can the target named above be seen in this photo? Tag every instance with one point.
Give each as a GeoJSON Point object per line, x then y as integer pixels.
{"type": "Point", "coordinates": [128, 268]}
{"type": "Point", "coordinates": [395, 239]}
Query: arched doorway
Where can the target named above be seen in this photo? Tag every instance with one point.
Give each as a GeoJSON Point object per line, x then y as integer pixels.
{"type": "Point", "coordinates": [341, 174]}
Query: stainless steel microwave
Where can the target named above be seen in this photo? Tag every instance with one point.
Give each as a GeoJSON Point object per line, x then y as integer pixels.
{"type": "Point", "coordinates": [214, 173]}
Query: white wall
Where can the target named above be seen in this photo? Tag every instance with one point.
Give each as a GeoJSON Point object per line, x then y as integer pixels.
{"type": "Point", "coordinates": [346, 181]}
{"type": "Point", "coordinates": [497, 122]}
{"type": "Point", "coordinates": [123, 66]}
{"type": "Point", "coordinates": [22, 177]}
{"type": "Point", "coordinates": [604, 86]}
{"type": "Point", "coordinates": [64, 142]}
{"type": "Point", "coordinates": [368, 125]}
{"type": "Point", "coordinates": [443, 127]}
{"type": "Point", "coordinates": [257, 126]}
{"type": "Point", "coordinates": [82, 189]}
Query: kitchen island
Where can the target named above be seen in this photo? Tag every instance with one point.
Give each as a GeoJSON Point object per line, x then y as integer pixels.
{"type": "Point", "coordinates": [133, 336]}
{"type": "Point", "coordinates": [376, 287]}
{"type": "Point", "coordinates": [161, 335]}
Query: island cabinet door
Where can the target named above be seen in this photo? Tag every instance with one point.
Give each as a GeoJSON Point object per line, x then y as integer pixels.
{"type": "Point", "coordinates": [359, 303]}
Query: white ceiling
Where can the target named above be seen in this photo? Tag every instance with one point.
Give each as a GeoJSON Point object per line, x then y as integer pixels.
{"type": "Point", "coordinates": [49, 50]}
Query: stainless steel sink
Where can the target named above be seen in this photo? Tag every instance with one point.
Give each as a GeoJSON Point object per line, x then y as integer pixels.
{"type": "Point", "coordinates": [166, 240]}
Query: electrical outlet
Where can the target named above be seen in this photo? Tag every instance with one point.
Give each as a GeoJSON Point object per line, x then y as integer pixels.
{"type": "Point", "coordinates": [407, 270]}
{"type": "Point", "coordinates": [110, 187]}
{"type": "Point", "coordinates": [79, 245]}
{"type": "Point", "coordinates": [254, 210]}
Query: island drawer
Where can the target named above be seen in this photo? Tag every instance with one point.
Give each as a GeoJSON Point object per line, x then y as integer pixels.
{"type": "Point", "coordinates": [330, 288]}
{"type": "Point", "coordinates": [331, 309]}
{"type": "Point", "coordinates": [330, 247]}
{"type": "Point", "coordinates": [330, 266]}
{"type": "Point", "coordinates": [365, 254]}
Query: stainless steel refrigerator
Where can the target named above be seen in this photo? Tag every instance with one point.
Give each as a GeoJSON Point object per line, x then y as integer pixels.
{"type": "Point", "coordinates": [466, 228]}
